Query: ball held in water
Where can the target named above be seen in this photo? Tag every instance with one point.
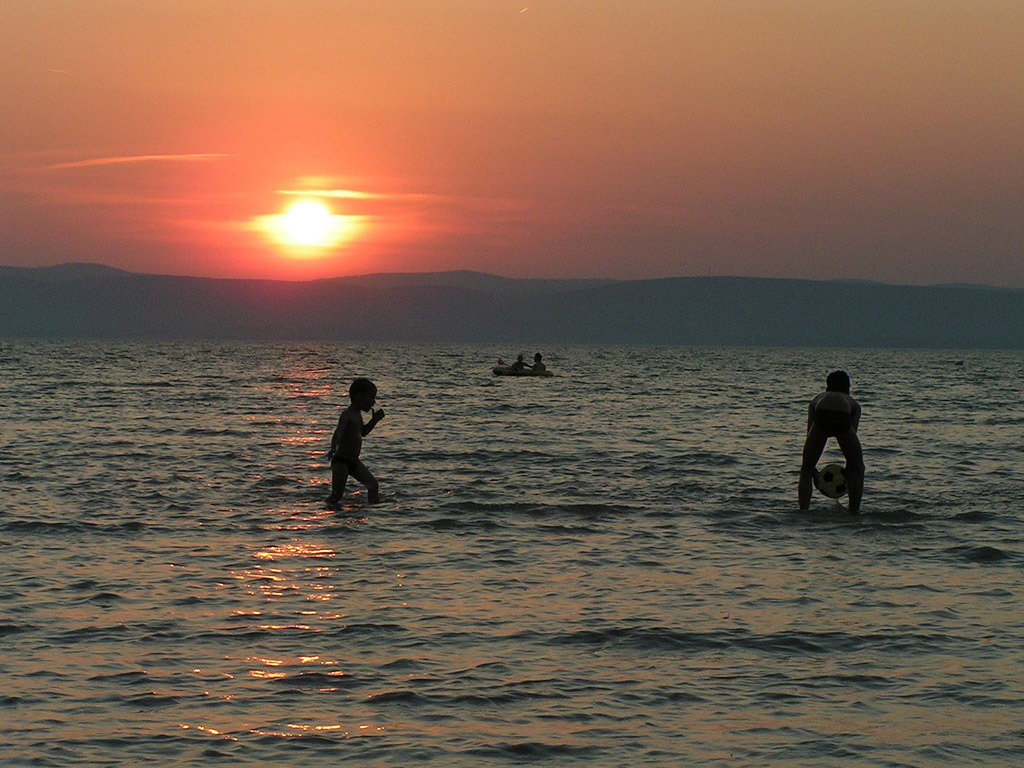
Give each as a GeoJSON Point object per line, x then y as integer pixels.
{"type": "Point", "coordinates": [831, 480]}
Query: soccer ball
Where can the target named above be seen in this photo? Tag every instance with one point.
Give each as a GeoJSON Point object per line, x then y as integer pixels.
{"type": "Point", "coordinates": [831, 481]}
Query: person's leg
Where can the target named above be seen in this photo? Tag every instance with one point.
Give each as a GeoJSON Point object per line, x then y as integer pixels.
{"type": "Point", "coordinates": [364, 476]}
{"type": "Point", "coordinates": [850, 445]}
{"type": "Point", "coordinates": [339, 477]}
{"type": "Point", "coordinates": [814, 444]}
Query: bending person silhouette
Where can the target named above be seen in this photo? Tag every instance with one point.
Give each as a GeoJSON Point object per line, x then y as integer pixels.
{"type": "Point", "coordinates": [833, 413]}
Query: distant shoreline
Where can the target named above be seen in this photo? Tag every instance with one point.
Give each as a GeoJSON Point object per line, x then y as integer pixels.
{"type": "Point", "coordinates": [94, 301]}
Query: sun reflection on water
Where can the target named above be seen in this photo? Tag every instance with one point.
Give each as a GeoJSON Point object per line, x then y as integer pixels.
{"type": "Point", "coordinates": [299, 730]}
{"type": "Point", "coordinates": [294, 549]}
{"type": "Point", "coordinates": [208, 730]}
{"type": "Point", "coordinates": [310, 519]}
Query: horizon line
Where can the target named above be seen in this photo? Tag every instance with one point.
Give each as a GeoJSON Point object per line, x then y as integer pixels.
{"type": "Point", "coordinates": [847, 280]}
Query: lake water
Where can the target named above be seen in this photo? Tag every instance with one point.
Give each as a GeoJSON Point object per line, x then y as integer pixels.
{"type": "Point", "coordinates": [603, 568]}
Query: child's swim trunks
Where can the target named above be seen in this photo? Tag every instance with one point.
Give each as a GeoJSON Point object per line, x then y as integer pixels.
{"type": "Point", "coordinates": [350, 463]}
{"type": "Point", "coordinates": [832, 423]}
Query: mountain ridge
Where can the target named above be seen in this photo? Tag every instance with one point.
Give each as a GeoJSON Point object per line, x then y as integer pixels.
{"type": "Point", "coordinates": [85, 300]}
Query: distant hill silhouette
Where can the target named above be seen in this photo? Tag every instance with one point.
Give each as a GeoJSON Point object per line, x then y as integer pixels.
{"type": "Point", "coordinates": [90, 300]}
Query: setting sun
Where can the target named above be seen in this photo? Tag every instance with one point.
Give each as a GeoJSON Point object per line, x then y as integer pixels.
{"type": "Point", "coordinates": [307, 222]}
{"type": "Point", "coordinates": [308, 227]}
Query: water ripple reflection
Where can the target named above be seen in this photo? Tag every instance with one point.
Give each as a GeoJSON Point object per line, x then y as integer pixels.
{"type": "Point", "coordinates": [603, 568]}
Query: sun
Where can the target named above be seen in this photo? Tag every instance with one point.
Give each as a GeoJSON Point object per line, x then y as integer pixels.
{"type": "Point", "coordinates": [307, 222]}
{"type": "Point", "coordinates": [308, 227]}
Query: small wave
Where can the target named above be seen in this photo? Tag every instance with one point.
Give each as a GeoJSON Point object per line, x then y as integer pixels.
{"type": "Point", "coordinates": [207, 432]}
{"type": "Point", "coordinates": [41, 527]}
{"type": "Point", "coordinates": [535, 751]}
{"type": "Point", "coordinates": [453, 524]}
{"type": "Point", "coordinates": [891, 515]}
{"type": "Point", "coordinates": [597, 509]}
{"type": "Point", "coordinates": [647, 638]}
{"type": "Point", "coordinates": [17, 476]}
{"type": "Point", "coordinates": [315, 680]}
{"type": "Point", "coordinates": [496, 506]}
{"type": "Point", "coordinates": [653, 639]}
{"type": "Point", "coordinates": [861, 681]}
{"type": "Point", "coordinates": [570, 530]}
{"type": "Point", "coordinates": [371, 629]}
{"type": "Point", "coordinates": [703, 459]}
{"type": "Point", "coordinates": [687, 488]}
{"type": "Point", "coordinates": [105, 597]}
{"type": "Point", "coordinates": [153, 700]}
{"type": "Point", "coordinates": [974, 516]}
{"type": "Point", "coordinates": [1000, 421]}
{"type": "Point", "coordinates": [539, 509]}
{"type": "Point", "coordinates": [982, 554]}
{"type": "Point", "coordinates": [399, 697]}
{"type": "Point", "coordinates": [83, 585]}
{"type": "Point", "coordinates": [122, 678]}
{"type": "Point", "coordinates": [278, 481]}
{"type": "Point", "coordinates": [882, 450]}
{"type": "Point", "coordinates": [349, 526]}
{"type": "Point", "coordinates": [48, 528]}
{"type": "Point", "coordinates": [94, 634]}
{"type": "Point", "coordinates": [503, 697]}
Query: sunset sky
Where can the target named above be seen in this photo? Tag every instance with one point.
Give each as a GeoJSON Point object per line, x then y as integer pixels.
{"type": "Point", "coordinates": [869, 139]}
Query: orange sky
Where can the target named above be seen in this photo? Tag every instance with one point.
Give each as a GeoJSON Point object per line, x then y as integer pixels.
{"type": "Point", "coordinates": [551, 138]}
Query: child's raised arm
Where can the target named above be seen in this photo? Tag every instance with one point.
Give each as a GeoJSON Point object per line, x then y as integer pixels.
{"type": "Point", "coordinates": [377, 416]}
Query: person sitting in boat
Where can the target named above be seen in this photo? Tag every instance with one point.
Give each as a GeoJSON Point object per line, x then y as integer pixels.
{"type": "Point", "coordinates": [538, 366]}
{"type": "Point", "coordinates": [519, 365]}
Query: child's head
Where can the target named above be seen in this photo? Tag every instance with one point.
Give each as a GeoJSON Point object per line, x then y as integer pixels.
{"type": "Point", "coordinates": [838, 381]}
{"type": "Point", "coordinates": [362, 392]}
{"type": "Point", "coordinates": [537, 357]}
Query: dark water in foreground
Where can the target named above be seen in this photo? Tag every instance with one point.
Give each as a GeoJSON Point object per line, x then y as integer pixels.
{"type": "Point", "coordinates": [605, 568]}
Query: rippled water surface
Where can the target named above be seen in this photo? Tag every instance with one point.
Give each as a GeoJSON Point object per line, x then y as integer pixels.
{"type": "Point", "coordinates": [604, 568]}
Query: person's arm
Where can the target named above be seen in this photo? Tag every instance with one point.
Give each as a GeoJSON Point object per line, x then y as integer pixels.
{"type": "Point", "coordinates": [855, 416]}
{"type": "Point", "coordinates": [335, 439]}
{"type": "Point", "coordinates": [810, 415]}
{"type": "Point", "coordinates": [368, 426]}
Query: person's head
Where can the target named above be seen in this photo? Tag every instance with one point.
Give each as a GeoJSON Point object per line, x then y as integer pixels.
{"type": "Point", "coordinates": [363, 394]}
{"type": "Point", "coordinates": [519, 359]}
{"type": "Point", "coordinates": [838, 381]}
{"type": "Point", "coordinates": [536, 357]}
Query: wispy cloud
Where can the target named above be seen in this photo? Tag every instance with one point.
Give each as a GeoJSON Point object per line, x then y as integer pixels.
{"type": "Point", "coordinates": [406, 198]}
{"type": "Point", "coordinates": [336, 194]}
{"type": "Point", "coordinates": [100, 161]}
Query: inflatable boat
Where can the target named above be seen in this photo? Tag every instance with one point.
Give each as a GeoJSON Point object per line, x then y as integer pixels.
{"type": "Point", "coordinates": [506, 370]}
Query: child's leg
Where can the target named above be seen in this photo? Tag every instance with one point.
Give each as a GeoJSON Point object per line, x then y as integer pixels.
{"type": "Point", "coordinates": [814, 444]}
{"type": "Point", "coordinates": [339, 477]}
{"type": "Point", "coordinates": [363, 475]}
{"type": "Point", "coordinates": [850, 444]}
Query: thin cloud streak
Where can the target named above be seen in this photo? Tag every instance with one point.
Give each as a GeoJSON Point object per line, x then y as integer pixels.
{"type": "Point", "coordinates": [335, 194]}
{"type": "Point", "coordinates": [102, 161]}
